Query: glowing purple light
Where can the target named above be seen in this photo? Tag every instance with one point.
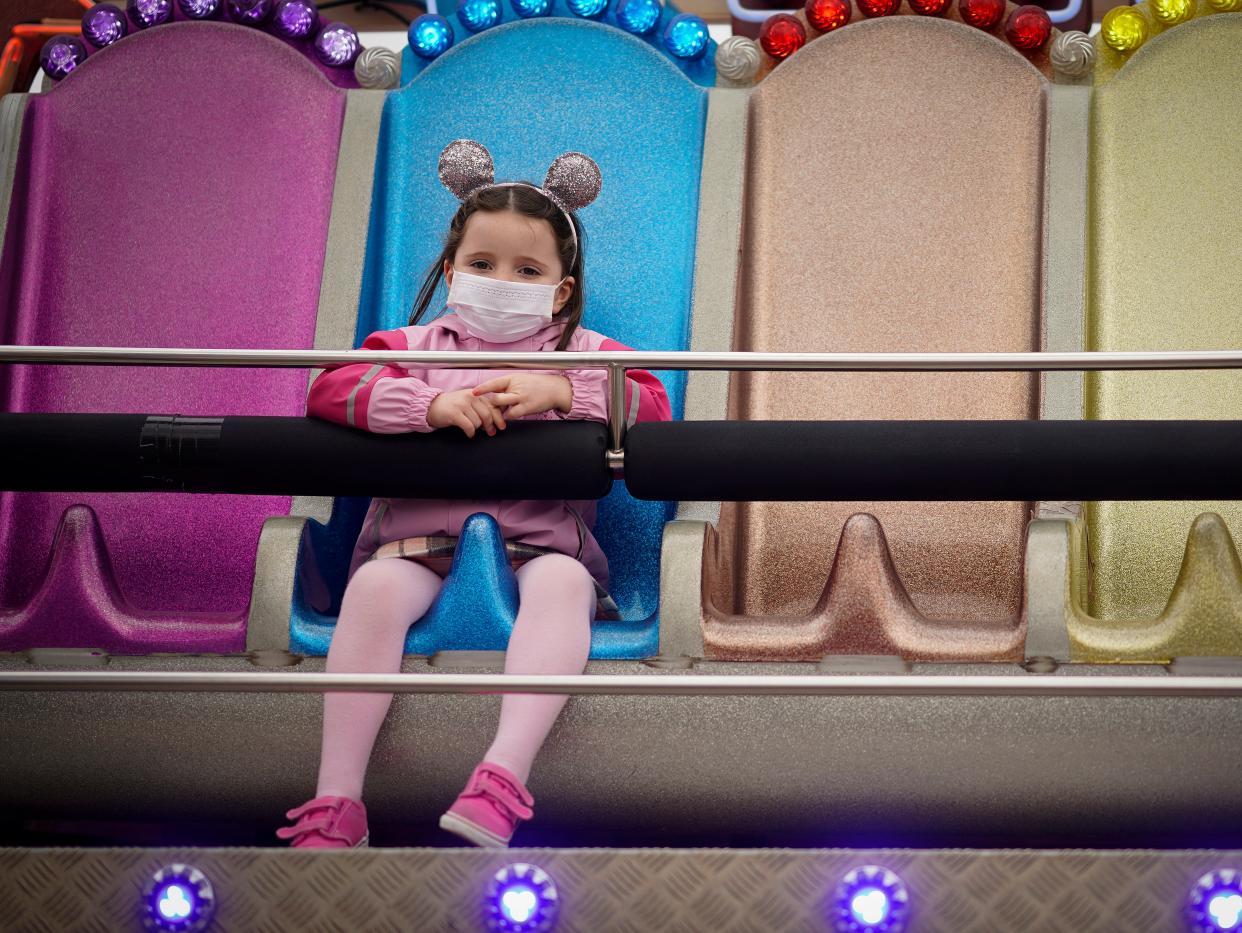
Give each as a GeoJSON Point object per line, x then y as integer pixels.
{"type": "Point", "coordinates": [521, 898]}
{"type": "Point", "coordinates": [199, 9]}
{"type": "Point", "coordinates": [147, 13]}
{"type": "Point", "coordinates": [337, 45]}
{"type": "Point", "coordinates": [1214, 904]}
{"type": "Point", "coordinates": [295, 19]}
{"type": "Point", "coordinates": [102, 25]}
{"type": "Point", "coordinates": [174, 903]}
{"type": "Point", "coordinates": [870, 899]}
{"type": "Point", "coordinates": [60, 55]}
{"type": "Point", "coordinates": [178, 899]}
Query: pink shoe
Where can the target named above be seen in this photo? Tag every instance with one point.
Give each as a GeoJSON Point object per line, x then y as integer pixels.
{"type": "Point", "coordinates": [488, 810]}
{"type": "Point", "coordinates": [327, 823]}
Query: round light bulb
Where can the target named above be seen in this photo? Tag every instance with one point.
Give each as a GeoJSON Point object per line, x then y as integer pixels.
{"type": "Point", "coordinates": [1172, 12]}
{"type": "Point", "coordinates": [1124, 29]}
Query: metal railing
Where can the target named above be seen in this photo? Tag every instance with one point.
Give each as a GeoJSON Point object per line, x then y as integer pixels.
{"type": "Point", "coordinates": [637, 359]}
{"type": "Point", "coordinates": [616, 364]}
{"type": "Point", "coordinates": [655, 684]}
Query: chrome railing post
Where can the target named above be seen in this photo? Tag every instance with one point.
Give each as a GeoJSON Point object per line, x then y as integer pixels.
{"type": "Point", "coordinates": [616, 415]}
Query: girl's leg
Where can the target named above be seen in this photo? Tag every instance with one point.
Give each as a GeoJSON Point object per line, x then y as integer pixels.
{"type": "Point", "coordinates": [552, 635]}
{"type": "Point", "coordinates": [382, 600]}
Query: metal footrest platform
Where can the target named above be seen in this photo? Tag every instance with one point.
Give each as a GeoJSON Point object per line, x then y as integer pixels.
{"type": "Point", "coordinates": [955, 891]}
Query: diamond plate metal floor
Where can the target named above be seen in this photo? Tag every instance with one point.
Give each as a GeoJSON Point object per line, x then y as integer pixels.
{"type": "Point", "coordinates": [611, 890]}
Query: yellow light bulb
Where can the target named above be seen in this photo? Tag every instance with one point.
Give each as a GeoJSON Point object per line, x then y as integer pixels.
{"type": "Point", "coordinates": [1172, 12]}
{"type": "Point", "coordinates": [1124, 29]}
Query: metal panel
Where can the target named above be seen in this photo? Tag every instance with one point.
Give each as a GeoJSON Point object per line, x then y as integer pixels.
{"type": "Point", "coordinates": [805, 770]}
{"type": "Point", "coordinates": [611, 890]}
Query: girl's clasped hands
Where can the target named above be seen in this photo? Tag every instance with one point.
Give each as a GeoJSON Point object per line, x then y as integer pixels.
{"type": "Point", "coordinates": [485, 407]}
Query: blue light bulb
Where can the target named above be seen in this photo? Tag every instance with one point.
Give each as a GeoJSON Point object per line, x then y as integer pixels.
{"type": "Point", "coordinates": [587, 9]}
{"type": "Point", "coordinates": [686, 36]}
{"type": "Point", "coordinates": [477, 15]}
{"type": "Point", "coordinates": [528, 8]}
{"type": "Point", "coordinates": [639, 17]}
{"type": "Point", "coordinates": [430, 36]}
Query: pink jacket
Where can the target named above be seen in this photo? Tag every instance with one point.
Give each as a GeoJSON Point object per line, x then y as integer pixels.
{"type": "Point", "coordinates": [393, 400]}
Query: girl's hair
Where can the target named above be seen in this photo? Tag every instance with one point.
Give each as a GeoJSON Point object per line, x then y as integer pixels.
{"type": "Point", "coordinates": [529, 202]}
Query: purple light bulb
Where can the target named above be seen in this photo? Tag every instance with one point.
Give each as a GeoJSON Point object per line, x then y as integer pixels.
{"type": "Point", "coordinates": [199, 9]}
{"type": "Point", "coordinates": [148, 13]}
{"type": "Point", "coordinates": [337, 45]}
{"type": "Point", "coordinates": [249, 12]}
{"type": "Point", "coordinates": [60, 55]}
{"type": "Point", "coordinates": [295, 19]}
{"type": "Point", "coordinates": [102, 25]}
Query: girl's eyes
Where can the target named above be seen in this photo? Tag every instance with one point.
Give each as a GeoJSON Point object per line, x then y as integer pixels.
{"type": "Point", "coordinates": [484, 266]}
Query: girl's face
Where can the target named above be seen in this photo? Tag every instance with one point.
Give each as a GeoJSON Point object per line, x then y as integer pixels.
{"type": "Point", "coordinates": [513, 247]}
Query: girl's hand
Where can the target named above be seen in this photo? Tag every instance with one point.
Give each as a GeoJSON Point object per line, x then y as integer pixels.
{"type": "Point", "coordinates": [528, 393]}
{"type": "Point", "coordinates": [464, 409]}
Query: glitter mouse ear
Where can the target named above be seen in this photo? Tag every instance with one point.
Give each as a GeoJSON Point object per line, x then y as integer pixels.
{"type": "Point", "coordinates": [573, 181]}
{"type": "Point", "coordinates": [465, 167]}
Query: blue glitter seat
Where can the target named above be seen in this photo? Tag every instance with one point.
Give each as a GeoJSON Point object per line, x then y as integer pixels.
{"type": "Point", "coordinates": [530, 91]}
{"type": "Point", "coordinates": [479, 600]}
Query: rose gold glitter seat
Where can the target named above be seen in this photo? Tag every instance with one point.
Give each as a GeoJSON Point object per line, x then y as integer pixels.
{"type": "Point", "coordinates": [894, 202]}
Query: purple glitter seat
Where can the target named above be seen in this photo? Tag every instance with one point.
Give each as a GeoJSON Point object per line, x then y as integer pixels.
{"type": "Point", "coordinates": [174, 191]}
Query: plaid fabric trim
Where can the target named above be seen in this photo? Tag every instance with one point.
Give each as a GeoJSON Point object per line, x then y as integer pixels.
{"type": "Point", "coordinates": [437, 552]}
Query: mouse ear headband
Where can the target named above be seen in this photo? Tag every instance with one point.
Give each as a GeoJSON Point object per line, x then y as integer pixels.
{"type": "Point", "coordinates": [573, 180]}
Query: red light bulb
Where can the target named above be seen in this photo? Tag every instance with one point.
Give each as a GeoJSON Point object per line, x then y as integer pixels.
{"type": "Point", "coordinates": [1028, 28]}
{"type": "Point", "coordinates": [782, 35]}
{"type": "Point", "coordinates": [982, 14]}
{"type": "Point", "coordinates": [827, 15]}
{"type": "Point", "coordinates": [929, 7]}
{"type": "Point", "coordinates": [872, 8]}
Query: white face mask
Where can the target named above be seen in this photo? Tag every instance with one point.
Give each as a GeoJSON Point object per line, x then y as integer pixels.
{"type": "Point", "coordinates": [500, 311]}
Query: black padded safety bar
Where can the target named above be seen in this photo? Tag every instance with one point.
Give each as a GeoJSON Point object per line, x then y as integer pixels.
{"type": "Point", "coordinates": [680, 460]}
{"type": "Point", "coordinates": [298, 456]}
{"type": "Point", "coordinates": [795, 461]}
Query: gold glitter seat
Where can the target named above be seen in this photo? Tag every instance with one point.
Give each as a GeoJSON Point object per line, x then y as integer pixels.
{"type": "Point", "coordinates": [1166, 273]}
{"type": "Point", "coordinates": [1203, 615]}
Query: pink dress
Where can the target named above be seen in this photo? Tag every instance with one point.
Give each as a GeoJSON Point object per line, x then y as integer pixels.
{"type": "Point", "coordinates": [394, 400]}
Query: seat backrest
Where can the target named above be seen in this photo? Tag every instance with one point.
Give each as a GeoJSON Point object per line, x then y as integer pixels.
{"type": "Point", "coordinates": [173, 191]}
{"type": "Point", "coordinates": [894, 202]}
{"type": "Point", "coordinates": [530, 91]}
{"type": "Point", "coordinates": [1165, 274]}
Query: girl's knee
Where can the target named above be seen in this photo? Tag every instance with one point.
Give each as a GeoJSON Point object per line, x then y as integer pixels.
{"type": "Point", "coordinates": [557, 574]}
{"type": "Point", "coordinates": [390, 583]}
{"type": "Point", "coordinates": [560, 565]}
{"type": "Point", "coordinates": [372, 577]}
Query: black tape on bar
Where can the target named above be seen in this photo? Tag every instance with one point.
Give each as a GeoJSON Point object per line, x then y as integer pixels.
{"type": "Point", "coordinates": [298, 456]}
{"type": "Point", "coordinates": [795, 461]}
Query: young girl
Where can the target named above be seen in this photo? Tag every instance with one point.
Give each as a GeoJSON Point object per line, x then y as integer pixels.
{"type": "Point", "coordinates": [513, 262]}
